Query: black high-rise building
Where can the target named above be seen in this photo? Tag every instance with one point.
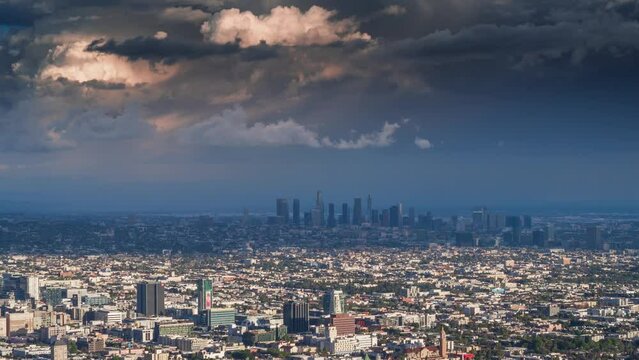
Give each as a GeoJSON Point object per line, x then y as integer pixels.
{"type": "Point", "coordinates": [539, 238]}
{"type": "Point", "coordinates": [319, 206]}
{"type": "Point", "coordinates": [464, 239]}
{"type": "Point", "coordinates": [386, 218]}
{"type": "Point", "coordinates": [395, 216]}
{"type": "Point", "coordinates": [513, 222]}
{"type": "Point", "coordinates": [296, 316]}
{"type": "Point", "coordinates": [593, 237]}
{"type": "Point", "coordinates": [150, 299]}
{"type": "Point", "coordinates": [332, 221]}
{"type": "Point", "coordinates": [358, 215]}
{"type": "Point", "coordinates": [527, 222]}
{"type": "Point", "coordinates": [426, 221]}
{"type": "Point", "coordinates": [375, 217]}
{"type": "Point", "coordinates": [344, 218]}
{"type": "Point", "coordinates": [282, 210]}
{"type": "Point", "coordinates": [296, 211]}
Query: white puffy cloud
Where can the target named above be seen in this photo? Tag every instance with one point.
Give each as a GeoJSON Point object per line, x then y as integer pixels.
{"type": "Point", "coordinates": [423, 144]}
{"type": "Point", "coordinates": [231, 128]}
{"type": "Point", "coordinates": [160, 35]}
{"type": "Point", "coordinates": [72, 61]}
{"type": "Point", "coordinates": [394, 10]}
{"type": "Point", "coordinates": [382, 138]}
{"type": "Point", "coordinates": [287, 26]}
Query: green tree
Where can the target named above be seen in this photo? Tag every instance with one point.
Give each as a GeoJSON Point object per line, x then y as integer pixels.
{"type": "Point", "coordinates": [72, 347]}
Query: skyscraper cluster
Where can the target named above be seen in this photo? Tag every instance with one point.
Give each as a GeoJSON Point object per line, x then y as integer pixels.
{"type": "Point", "coordinates": [349, 215]}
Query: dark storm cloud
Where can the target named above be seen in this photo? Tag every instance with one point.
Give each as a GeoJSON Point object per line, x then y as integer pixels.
{"type": "Point", "coordinates": [170, 50]}
{"type": "Point", "coordinates": [95, 84]}
{"type": "Point", "coordinates": [492, 40]}
{"type": "Point", "coordinates": [22, 13]}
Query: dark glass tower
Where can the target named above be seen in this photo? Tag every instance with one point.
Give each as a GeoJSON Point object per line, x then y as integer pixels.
{"type": "Point", "coordinates": [358, 215]}
{"type": "Point", "coordinates": [296, 212]}
{"type": "Point", "coordinates": [345, 217]}
{"type": "Point", "coordinates": [150, 299]}
{"type": "Point", "coordinates": [331, 222]}
{"type": "Point", "coordinates": [296, 316]}
{"type": "Point", "coordinates": [282, 210]}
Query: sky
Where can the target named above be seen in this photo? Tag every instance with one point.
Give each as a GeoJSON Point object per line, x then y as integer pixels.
{"type": "Point", "coordinates": [211, 105]}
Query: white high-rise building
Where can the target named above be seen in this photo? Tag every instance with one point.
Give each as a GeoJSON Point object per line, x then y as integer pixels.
{"type": "Point", "coordinates": [33, 287]}
{"type": "Point", "coordinates": [334, 302]}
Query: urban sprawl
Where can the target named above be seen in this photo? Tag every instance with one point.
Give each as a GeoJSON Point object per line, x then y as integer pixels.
{"type": "Point", "coordinates": [357, 283]}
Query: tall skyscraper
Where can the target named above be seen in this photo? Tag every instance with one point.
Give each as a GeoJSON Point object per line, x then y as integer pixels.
{"type": "Point", "coordinates": [282, 210]}
{"type": "Point", "coordinates": [480, 219]}
{"type": "Point", "coordinates": [514, 222]}
{"type": "Point", "coordinates": [296, 212]}
{"type": "Point", "coordinates": [316, 217]}
{"type": "Point", "coordinates": [396, 215]}
{"type": "Point", "coordinates": [495, 222]}
{"type": "Point", "coordinates": [369, 208]}
{"type": "Point", "coordinates": [539, 238]}
{"type": "Point", "coordinates": [593, 237]}
{"type": "Point", "coordinates": [333, 302]}
{"type": "Point", "coordinates": [386, 222]}
{"type": "Point", "coordinates": [150, 299]}
{"type": "Point", "coordinates": [319, 205]}
{"type": "Point", "coordinates": [411, 216]}
{"type": "Point", "coordinates": [332, 221]}
{"type": "Point", "coordinates": [358, 216]}
{"type": "Point", "coordinates": [527, 222]}
{"type": "Point", "coordinates": [204, 294]}
{"type": "Point", "coordinates": [550, 232]}
{"type": "Point", "coordinates": [375, 217]}
{"type": "Point", "coordinates": [426, 221]}
{"type": "Point", "coordinates": [344, 218]}
{"type": "Point", "coordinates": [296, 316]}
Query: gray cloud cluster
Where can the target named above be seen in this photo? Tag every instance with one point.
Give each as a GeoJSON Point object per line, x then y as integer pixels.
{"type": "Point", "coordinates": [181, 61]}
{"type": "Point", "coordinates": [230, 128]}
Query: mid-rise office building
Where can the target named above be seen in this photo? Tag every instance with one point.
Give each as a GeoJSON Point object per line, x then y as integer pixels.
{"type": "Point", "coordinates": [150, 299]}
{"type": "Point", "coordinates": [344, 324]}
{"type": "Point", "coordinates": [296, 316]}
{"type": "Point", "coordinates": [220, 317]}
{"type": "Point", "coordinates": [59, 350]}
